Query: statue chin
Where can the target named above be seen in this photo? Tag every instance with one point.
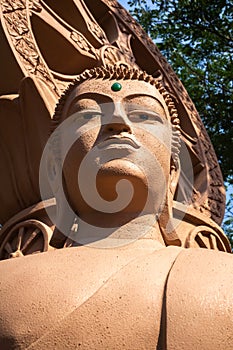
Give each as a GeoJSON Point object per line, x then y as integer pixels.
{"type": "Point", "coordinates": [122, 167]}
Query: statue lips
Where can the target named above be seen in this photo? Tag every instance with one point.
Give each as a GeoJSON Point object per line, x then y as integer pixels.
{"type": "Point", "coordinates": [121, 141]}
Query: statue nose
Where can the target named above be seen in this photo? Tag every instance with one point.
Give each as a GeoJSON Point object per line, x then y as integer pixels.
{"type": "Point", "coordinates": [119, 121]}
{"type": "Point", "coordinates": [118, 127]}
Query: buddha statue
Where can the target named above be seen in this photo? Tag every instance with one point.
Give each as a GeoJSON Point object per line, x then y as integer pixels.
{"type": "Point", "coordinates": [86, 113]}
{"type": "Point", "coordinates": [123, 278]}
{"type": "Point", "coordinates": [111, 193]}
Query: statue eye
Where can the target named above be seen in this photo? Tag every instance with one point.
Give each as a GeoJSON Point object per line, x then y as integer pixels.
{"type": "Point", "coordinates": [143, 116]}
{"type": "Point", "coordinates": [148, 117]}
{"type": "Point", "coordinates": [85, 116]}
{"type": "Point", "coordinates": [88, 116]}
{"type": "Point", "coordinates": [93, 115]}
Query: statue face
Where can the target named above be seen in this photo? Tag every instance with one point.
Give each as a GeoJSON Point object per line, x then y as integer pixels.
{"type": "Point", "coordinates": [124, 134]}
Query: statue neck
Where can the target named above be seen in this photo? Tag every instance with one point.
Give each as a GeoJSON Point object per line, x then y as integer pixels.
{"type": "Point", "coordinates": [141, 227]}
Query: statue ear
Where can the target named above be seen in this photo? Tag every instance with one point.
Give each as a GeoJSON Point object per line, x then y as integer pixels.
{"type": "Point", "coordinates": [165, 219]}
{"type": "Point", "coordinates": [174, 177]}
{"type": "Point", "coordinates": [64, 213]}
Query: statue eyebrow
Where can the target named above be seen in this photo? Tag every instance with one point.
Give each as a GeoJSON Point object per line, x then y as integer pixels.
{"type": "Point", "coordinates": [98, 98]}
{"type": "Point", "coordinates": [143, 95]}
{"type": "Point", "coordinates": [134, 96]}
{"type": "Point", "coordinates": [91, 96]}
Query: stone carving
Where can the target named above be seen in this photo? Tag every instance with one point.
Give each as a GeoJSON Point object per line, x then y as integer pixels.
{"type": "Point", "coordinates": [127, 31]}
{"type": "Point", "coordinates": [82, 43]}
{"type": "Point", "coordinates": [15, 18]}
{"type": "Point", "coordinates": [26, 237]}
{"type": "Point", "coordinates": [109, 185]}
{"type": "Point", "coordinates": [205, 237]}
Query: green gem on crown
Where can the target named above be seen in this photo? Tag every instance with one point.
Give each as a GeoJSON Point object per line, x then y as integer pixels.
{"type": "Point", "coordinates": [116, 87]}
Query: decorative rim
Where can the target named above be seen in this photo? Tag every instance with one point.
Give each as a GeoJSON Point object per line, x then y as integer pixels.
{"type": "Point", "coordinates": [25, 238]}
{"type": "Point", "coordinates": [205, 237]}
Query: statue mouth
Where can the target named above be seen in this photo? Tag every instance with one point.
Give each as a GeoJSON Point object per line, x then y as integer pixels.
{"type": "Point", "coordinates": [119, 141]}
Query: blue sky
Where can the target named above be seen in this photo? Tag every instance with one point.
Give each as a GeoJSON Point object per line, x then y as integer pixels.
{"type": "Point", "coordinates": [124, 3]}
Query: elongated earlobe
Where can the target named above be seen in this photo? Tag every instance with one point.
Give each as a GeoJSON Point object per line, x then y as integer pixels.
{"type": "Point", "coordinates": [165, 220]}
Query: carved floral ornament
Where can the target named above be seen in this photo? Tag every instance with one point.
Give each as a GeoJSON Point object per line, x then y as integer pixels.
{"type": "Point", "coordinates": [41, 35]}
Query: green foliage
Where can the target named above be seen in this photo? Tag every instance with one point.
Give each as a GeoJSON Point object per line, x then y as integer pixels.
{"type": "Point", "coordinates": [196, 37]}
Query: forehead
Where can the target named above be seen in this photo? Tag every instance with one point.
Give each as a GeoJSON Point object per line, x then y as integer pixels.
{"type": "Point", "coordinates": [134, 91]}
{"type": "Point", "coordinates": [129, 87]}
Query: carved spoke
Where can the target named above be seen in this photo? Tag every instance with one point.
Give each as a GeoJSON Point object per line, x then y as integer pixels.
{"type": "Point", "coordinates": [25, 238]}
{"type": "Point", "coordinates": [8, 248]}
{"type": "Point", "coordinates": [30, 239]}
{"type": "Point", "coordinates": [20, 235]}
{"type": "Point", "coordinates": [213, 242]}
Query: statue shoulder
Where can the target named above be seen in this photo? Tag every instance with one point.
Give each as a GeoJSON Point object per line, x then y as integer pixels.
{"type": "Point", "coordinates": [199, 301]}
{"type": "Point", "coordinates": [186, 295]}
{"type": "Point", "coordinates": [44, 297]}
